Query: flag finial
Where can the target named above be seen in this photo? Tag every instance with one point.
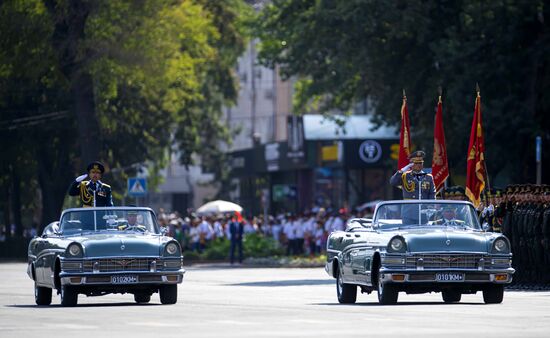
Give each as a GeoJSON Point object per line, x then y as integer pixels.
{"type": "Point", "coordinates": [404, 94]}
{"type": "Point", "coordinates": [477, 89]}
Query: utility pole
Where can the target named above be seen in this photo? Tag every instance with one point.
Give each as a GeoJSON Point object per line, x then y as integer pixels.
{"type": "Point", "coordinates": [538, 151]}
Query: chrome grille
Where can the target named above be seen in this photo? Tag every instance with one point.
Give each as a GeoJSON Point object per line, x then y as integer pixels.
{"type": "Point", "coordinates": [120, 264]}
{"type": "Point", "coordinates": [445, 261]}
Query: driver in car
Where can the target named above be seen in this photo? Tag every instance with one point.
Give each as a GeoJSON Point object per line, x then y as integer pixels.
{"type": "Point", "coordinates": [132, 223]}
{"type": "Point", "coordinates": [449, 217]}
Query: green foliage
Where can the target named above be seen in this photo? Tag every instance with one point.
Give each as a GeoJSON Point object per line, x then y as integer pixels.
{"type": "Point", "coordinates": [348, 51]}
{"type": "Point", "coordinates": [256, 245]}
{"type": "Point", "coordinates": [218, 249]}
{"type": "Point", "coordinates": [129, 78]}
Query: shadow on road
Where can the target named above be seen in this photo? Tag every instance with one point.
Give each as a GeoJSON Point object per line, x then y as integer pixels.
{"type": "Point", "coordinates": [293, 282]}
{"type": "Point", "coordinates": [56, 306]}
{"type": "Point", "coordinates": [398, 304]}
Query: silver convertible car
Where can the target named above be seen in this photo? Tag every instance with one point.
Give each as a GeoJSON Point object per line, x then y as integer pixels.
{"type": "Point", "coordinates": [418, 247]}
{"type": "Point", "coordinates": [97, 251]}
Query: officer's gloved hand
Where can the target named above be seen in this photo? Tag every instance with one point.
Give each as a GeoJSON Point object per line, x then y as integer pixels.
{"type": "Point", "coordinates": [407, 167]}
{"type": "Point", "coordinates": [81, 178]}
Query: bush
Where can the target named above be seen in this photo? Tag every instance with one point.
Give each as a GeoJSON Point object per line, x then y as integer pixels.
{"type": "Point", "coordinates": [217, 249]}
{"type": "Point", "coordinates": [255, 245]}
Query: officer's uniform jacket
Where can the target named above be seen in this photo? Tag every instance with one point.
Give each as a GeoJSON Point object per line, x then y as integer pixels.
{"type": "Point", "coordinates": [85, 191]}
{"type": "Point", "coordinates": [409, 181]}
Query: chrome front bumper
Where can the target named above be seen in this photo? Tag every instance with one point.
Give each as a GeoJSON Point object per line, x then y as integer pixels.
{"type": "Point", "coordinates": [501, 276]}
{"type": "Point", "coordinates": [143, 278]}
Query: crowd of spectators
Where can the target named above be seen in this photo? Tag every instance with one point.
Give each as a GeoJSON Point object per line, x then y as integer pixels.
{"type": "Point", "coordinates": [297, 234]}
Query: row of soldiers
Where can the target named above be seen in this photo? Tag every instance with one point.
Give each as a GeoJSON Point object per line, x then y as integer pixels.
{"type": "Point", "coordinates": [522, 213]}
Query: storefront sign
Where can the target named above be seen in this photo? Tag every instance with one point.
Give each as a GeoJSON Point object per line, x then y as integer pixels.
{"type": "Point", "coordinates": [370, 151]}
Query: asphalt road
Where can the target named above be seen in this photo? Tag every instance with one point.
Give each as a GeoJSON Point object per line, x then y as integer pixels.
{"type": "Point", "coordinates": [220, 301]}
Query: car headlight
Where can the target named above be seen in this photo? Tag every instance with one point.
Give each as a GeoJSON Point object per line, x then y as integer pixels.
{"type": "Point", "coordinates": [397, 244]}
{"type": "Point", "coordinates": [171, 248]}
{"type": "Point", "coordinates": [74, 250]}
{"type": "Point", "coordinates": [501, 246]}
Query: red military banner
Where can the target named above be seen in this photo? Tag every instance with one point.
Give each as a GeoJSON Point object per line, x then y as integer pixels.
{"type": "Point", "coordinates": [475, 175]}
{"type": "Point", "coordinates": [405, 137]}
{"type": "Point", "coordinates": [440, 165]}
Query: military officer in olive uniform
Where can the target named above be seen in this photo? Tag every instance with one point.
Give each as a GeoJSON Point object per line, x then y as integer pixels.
{"type": "Point", "coordinates": [415, 184]}
{"type": "Point", "coordinates": [92, 192]}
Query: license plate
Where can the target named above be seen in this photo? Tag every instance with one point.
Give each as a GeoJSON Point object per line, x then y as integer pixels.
{"type": "Point", "coordinates": [124, 279]}
{"type": "Point", "coordinates": [449, 277]}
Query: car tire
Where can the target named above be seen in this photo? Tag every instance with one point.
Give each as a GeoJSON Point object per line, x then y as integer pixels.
{"type": "Point", "coordinates": [42, 295]}
{"type": "Point", "coordinates": [387, 293]}
{"type": "Point", "coordinates": [493, 294]}
{"type": "Point", "coordinates": [142, 298]}
{"type": "Point", "coordinates": [168, 294]}
{"type": "Point", "coordinates": [451, 296]}
{"type": "Point", "coordinates": [69, 296]}
{"type": "Point", "coordinates": [346, 293]}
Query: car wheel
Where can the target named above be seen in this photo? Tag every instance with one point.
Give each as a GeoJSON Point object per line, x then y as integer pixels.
{"type": "Point", "coordinates": [493, 294]}
{"type": "Point", "coordinates": [69, 296]}
{"type": "Point", "coordinates": [142, 298]}
{"type": "Point", "coordinates": [346, 293]}
{"type": "Point", "coordinates": [42, 295]}
{"type": "Point", "coordinates": [451, 296]}
{"type": "Point", "coordinates": [387, 293]}
{"type": "Point", "coordinates": [168, 294]}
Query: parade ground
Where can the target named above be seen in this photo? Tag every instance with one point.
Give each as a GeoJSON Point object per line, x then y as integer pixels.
{"type": "Point", "coordinates": [224, 301]}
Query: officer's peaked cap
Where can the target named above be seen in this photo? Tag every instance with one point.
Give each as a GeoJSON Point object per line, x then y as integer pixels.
{"type": "Point", "coordinates": [96, 165]}
{"type": "Point", "coordinates": [417, 156]}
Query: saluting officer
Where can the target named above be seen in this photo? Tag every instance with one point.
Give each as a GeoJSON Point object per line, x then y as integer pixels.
{"type": "Point", "coordinates": [414, 182]}
{"type": "Point", "coordinates": [92, 192]}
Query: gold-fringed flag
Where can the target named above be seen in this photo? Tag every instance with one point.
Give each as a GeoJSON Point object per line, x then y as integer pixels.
{"type": "Point", "coordinates": [440, 165]}
{"type": "Point", "coordinates": [475, 175]}
{"type": "Point", "coordinates": [405, 137]}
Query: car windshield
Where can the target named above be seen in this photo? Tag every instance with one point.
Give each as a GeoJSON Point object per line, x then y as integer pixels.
{"type": "Point", "coordinates": [391, 216]}
{"type": "Point", "coordinates": [110, 219]}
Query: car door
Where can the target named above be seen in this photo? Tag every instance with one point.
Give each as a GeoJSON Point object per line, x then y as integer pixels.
{"type": "Point", "coordinates": [37, 248]}
{"type": "Point", "coordinates": [359, 254]}
{"type": "Point", "coordinates": [348, 253]}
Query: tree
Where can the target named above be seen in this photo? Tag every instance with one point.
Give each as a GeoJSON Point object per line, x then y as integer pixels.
{"type": "Point", "coordinates": [111, 80]}
{"type": "Point", "coordinates": [346, 51]}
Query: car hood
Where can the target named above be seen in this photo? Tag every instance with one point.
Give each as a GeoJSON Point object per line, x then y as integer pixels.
{"type": "Point", "coordinates": [98, 245]}
{"type": "Point", "coordinates": [447, 239]}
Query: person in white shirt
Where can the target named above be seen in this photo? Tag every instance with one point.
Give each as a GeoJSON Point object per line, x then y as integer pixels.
{"type": "Point", "coordinates": [299, 226]}
{"type": "Point", "coordinates": [338, 223]}
{"type": "Point", "coordinates": [290, 234]}
{"type": "Point", "coordinates": [218, 228]}
{"type": "Point", "coordinates": [205, 232]}
{"type": "Point", "coordinates": [328, 224]}
{"type": "Point", "coordinates": [276, 229]}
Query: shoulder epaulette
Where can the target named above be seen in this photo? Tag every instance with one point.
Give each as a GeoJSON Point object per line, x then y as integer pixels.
{"type": "Point", "coordinates": [106, 185]}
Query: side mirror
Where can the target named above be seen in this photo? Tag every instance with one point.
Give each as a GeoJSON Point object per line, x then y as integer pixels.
{"type": "Point", "coordinates": [163, 230]}
{"type": "Point", "coordinates": [51, 229]}
{"type": "Point", "coordinates": [485, 227]}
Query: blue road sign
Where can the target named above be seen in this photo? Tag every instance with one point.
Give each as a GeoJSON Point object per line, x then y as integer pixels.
{"type": "Point", "coordinates": [137, 186]}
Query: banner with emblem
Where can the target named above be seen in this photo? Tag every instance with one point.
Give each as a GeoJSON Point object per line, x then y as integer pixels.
{"type": "Point", "coordinates": [440, 165]}
{"type": "Point", "coordinates": [475, 175]}
{"type": "Point", "coordinates": [405, 136]}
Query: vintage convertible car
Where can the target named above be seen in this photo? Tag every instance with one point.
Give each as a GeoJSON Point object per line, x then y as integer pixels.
{"type": "Point", "coordinates": [418, 247]}
{"type": "Point", "coordinates": [97, 251]}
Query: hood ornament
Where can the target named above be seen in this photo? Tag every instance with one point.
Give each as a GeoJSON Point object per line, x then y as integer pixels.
{"type": "Point", "coordinates": [122, 246]}
{"type": "Point", "coordinates": [448, 242]}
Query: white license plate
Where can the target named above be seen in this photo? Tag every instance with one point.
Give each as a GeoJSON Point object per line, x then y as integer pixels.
{"type": "Point", "coordinates": [449, 277]}
{"type": "Point", "coordinates": [124, 279]}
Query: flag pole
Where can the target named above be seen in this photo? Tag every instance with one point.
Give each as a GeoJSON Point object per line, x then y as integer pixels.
{"type": "Point", "coordinates": [488, 186]}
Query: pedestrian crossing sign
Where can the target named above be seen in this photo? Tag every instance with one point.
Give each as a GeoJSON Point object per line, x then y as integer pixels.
{"type": "Point", "coordinates": [137, 186]}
